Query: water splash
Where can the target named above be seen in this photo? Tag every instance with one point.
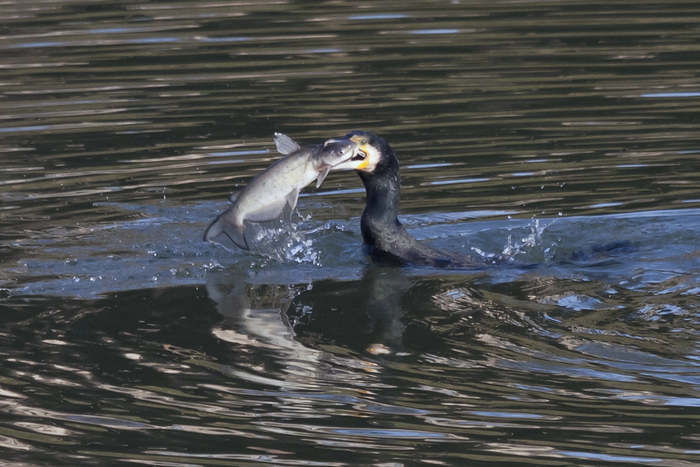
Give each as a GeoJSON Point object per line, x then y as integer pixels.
{"type": "Point", "coordinates": [514, 243]}
{"type": "Point", "coordinates": [284, 240]}
{"type": "Point", "coordinates": [523, 246]}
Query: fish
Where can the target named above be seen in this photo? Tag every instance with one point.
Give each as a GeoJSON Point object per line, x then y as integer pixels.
{"type": "Point", "coordinates": [266, 196]}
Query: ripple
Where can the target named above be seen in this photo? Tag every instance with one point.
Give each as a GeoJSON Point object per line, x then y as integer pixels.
{"type": "Point", "coordinates": [125, 338]}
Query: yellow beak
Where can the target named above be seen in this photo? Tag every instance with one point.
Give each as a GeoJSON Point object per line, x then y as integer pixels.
{"type": "Point", "coordinates": [363, 148]}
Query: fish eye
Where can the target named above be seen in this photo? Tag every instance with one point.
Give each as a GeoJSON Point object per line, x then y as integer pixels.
{"type": "Point", "coordinates": [363, 142]}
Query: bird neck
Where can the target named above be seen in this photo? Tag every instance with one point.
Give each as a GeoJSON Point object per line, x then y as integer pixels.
{"type": "Point", "coordinates": [383, 187]}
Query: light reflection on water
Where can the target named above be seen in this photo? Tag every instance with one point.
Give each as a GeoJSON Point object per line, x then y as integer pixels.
{"type": "Point", "coordinates": [560, 136]}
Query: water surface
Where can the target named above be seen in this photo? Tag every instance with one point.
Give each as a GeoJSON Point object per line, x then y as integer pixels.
{"type": "Point", "coordinates": [560, 136]}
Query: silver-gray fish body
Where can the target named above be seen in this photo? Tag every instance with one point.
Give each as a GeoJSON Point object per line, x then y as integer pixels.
{"type": "Point", "coordinates": [265, 197]}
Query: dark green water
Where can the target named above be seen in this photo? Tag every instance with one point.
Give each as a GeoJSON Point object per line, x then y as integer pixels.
{"type": "Point", "coordinates": [562, 135]}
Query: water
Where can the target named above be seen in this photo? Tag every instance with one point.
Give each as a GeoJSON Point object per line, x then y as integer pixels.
{"type": "Point", "coordinates": [563, 136]}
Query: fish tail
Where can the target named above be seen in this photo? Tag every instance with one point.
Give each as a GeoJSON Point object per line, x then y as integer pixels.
{"type": "Point", "coordinates": [226, 233]}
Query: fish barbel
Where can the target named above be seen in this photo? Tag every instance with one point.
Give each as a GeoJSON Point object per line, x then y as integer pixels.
{"type": "Point", "coordinates": [265, 197]}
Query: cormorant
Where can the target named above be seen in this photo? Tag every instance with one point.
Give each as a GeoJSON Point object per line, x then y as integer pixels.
{"type": "Point", "coordinates": [386, 240]}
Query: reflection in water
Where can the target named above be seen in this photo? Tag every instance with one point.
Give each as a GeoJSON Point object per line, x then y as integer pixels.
{"type": "Point", "coordinates": [256, 316]}
{"type": "Point", "coordinates": [261, 314]}
{"type": "Point", "coordinates": [377, 367]}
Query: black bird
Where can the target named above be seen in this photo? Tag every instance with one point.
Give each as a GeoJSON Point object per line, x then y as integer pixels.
{"type": "Point", "coordinates": [386, 240]}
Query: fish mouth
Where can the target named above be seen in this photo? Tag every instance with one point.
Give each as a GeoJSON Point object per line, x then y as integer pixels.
{"type": "Point", "coordinates": [354, 158]}
{"type": "Point", "coordinates": [343, 153]}
{"type": "Point", "coordinates": [359, 154]}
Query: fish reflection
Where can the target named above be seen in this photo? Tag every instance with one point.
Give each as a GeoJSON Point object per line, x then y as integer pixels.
{"type": "Point", "coordinates": [255, 317]}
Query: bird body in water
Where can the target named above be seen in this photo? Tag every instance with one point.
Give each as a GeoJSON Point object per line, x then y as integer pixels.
{"type": "Point", "coordinates": [386, 240]}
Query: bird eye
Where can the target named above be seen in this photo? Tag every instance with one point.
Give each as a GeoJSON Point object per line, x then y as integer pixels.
{"type": "Point", "coordinates": [363, 142]}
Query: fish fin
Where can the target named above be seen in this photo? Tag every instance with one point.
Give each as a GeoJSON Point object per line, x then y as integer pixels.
{"type": "Point", "coordinates": [322, 176]}
{"type": "Point", "coordinates": [267, 213]}
{"type": "Point", "coordinates": [234, 196]}
{"type": "Point", "coordinates": [226, 233]}
{"type": "Point", "coordinates": [285, 144]}
{"type": "Point", "coordinates": [292, 198]}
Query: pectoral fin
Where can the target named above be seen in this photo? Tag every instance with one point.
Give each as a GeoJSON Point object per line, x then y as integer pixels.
{"type": "Point", "coordinates": [234, 196]}
{"type": "Point", "coordinates": [292, 198]}
{"type": "Point", "coordinates": [322, 176]}
{"type": "Point", "coordinates": [285, 144]}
